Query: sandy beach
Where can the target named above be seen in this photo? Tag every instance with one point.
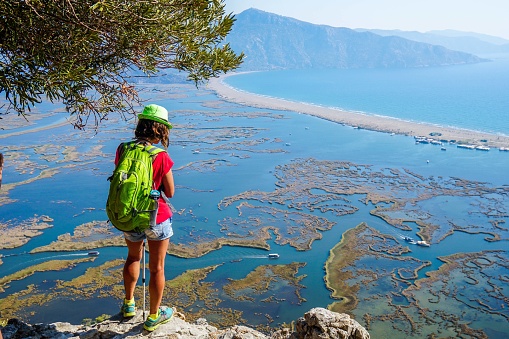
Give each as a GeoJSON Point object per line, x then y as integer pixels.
{"type": "Point", "coordinates": [359, 120]}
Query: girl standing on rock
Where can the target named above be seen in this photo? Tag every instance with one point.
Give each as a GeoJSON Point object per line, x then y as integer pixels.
{"type": "Point", "coordinates": [153, 128]}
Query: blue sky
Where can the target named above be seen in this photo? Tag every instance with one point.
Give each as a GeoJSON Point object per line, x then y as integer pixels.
{"type": "Point", "coordinates": [481, 16]}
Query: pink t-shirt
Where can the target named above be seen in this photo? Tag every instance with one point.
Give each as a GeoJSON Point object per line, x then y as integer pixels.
{"type": "Point", "coordinates": [161, 165]}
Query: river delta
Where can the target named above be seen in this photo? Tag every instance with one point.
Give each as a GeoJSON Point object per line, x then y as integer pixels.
{"type": "Point", "coordinates": [253, 181]}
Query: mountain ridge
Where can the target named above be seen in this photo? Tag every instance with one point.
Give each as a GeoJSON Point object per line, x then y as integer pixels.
{"type": "Point", "coordinates": [467, 42]}
{"type": "Point", "coordinates": [271, 42]}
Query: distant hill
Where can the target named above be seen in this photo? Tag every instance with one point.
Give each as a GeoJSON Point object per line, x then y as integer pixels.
{"type": "Point", "coordinates": [483, 37]}
{"type": "Point", "coordinates": [272, 41]}
{"type": "Point", "coordinates": [474, 43]}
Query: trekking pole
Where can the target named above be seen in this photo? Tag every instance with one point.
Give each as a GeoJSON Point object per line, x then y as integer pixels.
{"type": "Point", "coordinates": [143, 277]}
{"type": "Point", "coordinates": [154, 194]}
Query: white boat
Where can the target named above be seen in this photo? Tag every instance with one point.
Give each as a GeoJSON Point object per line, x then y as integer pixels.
{"type": "Point", "coordinates": [482, 148]}
{"type": "Point", "coordinates": [504, 149]}
{"type": "Point", "coordinates": [422, 140]}
{"type": "Point", "coordinates": [273, 256]}
{"type": "Point", "coordinates": [465, 146]}
{"type": "Point", "coordinates": [422, 243]}
{"type": "Point", "coordinates": [93, 253]}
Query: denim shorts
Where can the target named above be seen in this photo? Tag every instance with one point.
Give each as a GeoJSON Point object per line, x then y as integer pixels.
{"type": "Point", "coordinates": [159, 232]}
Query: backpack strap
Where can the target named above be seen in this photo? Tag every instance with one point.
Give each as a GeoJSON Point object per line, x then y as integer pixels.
{"type": "Point", "coordinates": [153, 150]}
{"type": "Point", "coordinates": [148, 147]}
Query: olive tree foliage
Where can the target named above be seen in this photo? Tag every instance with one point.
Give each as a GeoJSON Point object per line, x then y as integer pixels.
{"type": "Point", "coordinates": [82, 52]}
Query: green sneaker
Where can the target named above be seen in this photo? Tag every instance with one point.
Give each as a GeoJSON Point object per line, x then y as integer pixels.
{"type": "Point", "coordinates": [128, 309]}
{"type": "Point", "coordinates": [165, 314]}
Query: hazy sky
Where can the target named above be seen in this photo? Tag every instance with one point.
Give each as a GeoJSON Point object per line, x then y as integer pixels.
{"type": "Point", "coordinates": [480, 16]}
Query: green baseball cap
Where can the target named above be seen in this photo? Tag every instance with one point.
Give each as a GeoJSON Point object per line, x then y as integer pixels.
{"type": "Point", "coordinates": [156, 113]}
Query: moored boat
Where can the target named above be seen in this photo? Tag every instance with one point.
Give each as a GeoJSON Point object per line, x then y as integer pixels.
{"type": "Point", "coordinates": [421, 140]}
{"type": "Point", "coordinates": [465, 146]}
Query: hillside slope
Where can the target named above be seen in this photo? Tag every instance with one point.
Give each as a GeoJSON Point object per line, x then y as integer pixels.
{"type": "Point", "coordinates": [272, 41]}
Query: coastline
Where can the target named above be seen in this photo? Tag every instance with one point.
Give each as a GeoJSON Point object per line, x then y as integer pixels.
{"type": "Point", "coordinates": [358, 120]}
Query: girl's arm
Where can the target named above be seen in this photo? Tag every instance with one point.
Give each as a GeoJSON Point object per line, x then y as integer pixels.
{"type": "Point", "coordinates": [169, 184]}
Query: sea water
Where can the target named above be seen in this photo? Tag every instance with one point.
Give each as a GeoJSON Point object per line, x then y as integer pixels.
{"type": "Point", "coordinates": [467, 96]}
{"type": "Point", "coordinates": [65, 196]}
{"type": "Point", "coordinates": [470, 97]}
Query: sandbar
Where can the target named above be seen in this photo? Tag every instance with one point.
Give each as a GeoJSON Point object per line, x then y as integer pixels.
{"type": "Point", "coordinates": [359, 120]}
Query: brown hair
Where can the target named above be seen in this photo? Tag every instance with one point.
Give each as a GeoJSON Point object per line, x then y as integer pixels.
{"type": "Point", "coordinates": [152, 129]}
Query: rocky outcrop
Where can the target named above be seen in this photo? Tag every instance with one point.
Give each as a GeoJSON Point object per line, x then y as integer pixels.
{"type": "Point", "coordinates": [318, 323]}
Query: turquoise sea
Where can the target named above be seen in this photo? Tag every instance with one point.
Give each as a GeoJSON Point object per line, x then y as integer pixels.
{"type": "Point", "coordinates": [469, 96]}
{"type": "Point", "coordinates": [224, 150]}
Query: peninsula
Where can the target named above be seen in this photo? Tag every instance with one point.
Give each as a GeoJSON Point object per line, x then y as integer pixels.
{"type": "Point", "coordinates": [359, 120]}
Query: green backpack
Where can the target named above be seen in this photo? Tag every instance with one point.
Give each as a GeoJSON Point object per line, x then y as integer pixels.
{"type": "Point", "coordinates": [129, 203]}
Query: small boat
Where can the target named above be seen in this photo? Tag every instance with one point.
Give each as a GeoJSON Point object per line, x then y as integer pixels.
{"type": "Point", "coordinates": [422, 243]}
{"type": "Point", "coordinates": [93, 253]}
{"type": "Point", "coordinates": [443, 148]}
{"type": "Point", "coordinates": [504, 149]}
{"type": "Point", "coordinates": [465, 146]}
{"type": "Point", "coordinates": [273, 256]}
{"type": "Point", "coordinates": [408, 239]}
{"type": "Point", "coordinates": [482, 148]}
